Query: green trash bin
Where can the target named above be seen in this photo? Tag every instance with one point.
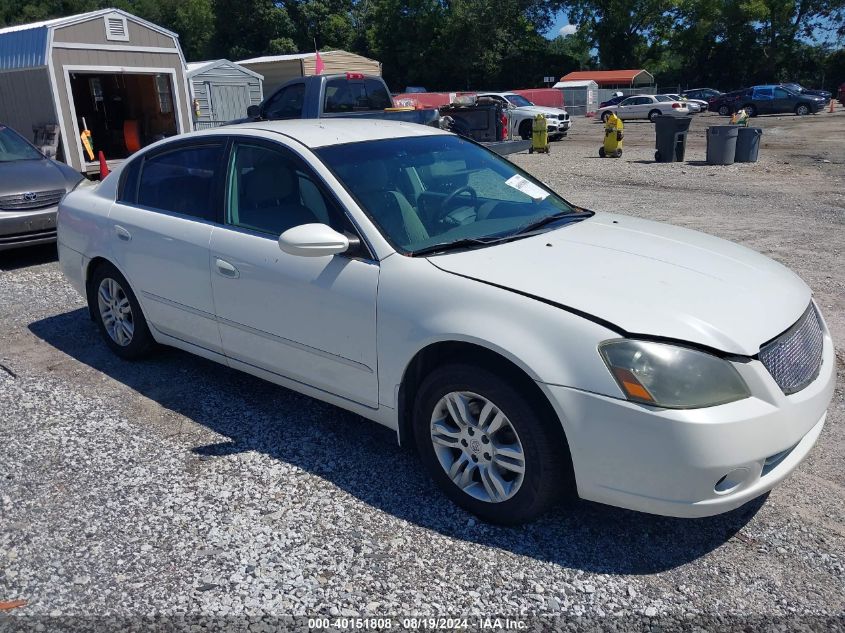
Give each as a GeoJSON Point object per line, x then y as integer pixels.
{"type": "Point", "coordinates": [670, 140]}
{"type": "Point", "coordinates": [748, 144]}
{"type": "Point", "coordinates": [721, 144]}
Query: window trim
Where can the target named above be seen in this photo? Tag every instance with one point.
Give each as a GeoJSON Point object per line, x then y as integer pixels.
{"type": "Point", "coordinates": [221, 141]}
{"type": "Point", "coordinates": [302, 163]}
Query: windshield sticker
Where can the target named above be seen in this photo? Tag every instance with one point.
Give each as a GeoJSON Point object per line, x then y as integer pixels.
{"type": "Point", "coordinates": [527, 187]}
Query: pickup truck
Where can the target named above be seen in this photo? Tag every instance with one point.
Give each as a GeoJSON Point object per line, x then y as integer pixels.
{"type": "Point", "coordinates": [357, 95]}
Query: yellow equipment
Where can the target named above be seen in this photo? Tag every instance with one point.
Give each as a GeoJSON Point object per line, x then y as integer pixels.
{"type": "Point", "coordinates": [612, 147]}
{"type": "Point", "coordinates": [87, 141]}
{"type": "Point", "coordinates": [539, 135]}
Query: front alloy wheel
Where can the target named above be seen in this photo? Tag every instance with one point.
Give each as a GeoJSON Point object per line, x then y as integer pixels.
{"type": "Point", "coordinates": [490, 443]}
{"type": "Point", "coordinates": [477, 446]}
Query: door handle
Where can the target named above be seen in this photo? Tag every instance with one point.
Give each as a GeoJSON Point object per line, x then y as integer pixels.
{"type": "Point", "coordinates": [122, 233]}
{"type": "Point", "coordinates": [226, 269]}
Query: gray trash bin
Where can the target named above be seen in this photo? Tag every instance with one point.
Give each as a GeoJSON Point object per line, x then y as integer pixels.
{"type": "Point", "coordinates": [748, 144]}
{"type": "Point", "coordinates": [670, 138]}
{"type": "Point", "coordinates": [721, 144]}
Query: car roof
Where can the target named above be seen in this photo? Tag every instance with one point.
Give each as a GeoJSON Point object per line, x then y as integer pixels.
{"type": "Point", "coordinates": [324, 132]}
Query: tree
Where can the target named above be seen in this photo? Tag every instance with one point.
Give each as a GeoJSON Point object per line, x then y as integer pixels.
{"type": "Point", "coordinates": [250, 28]}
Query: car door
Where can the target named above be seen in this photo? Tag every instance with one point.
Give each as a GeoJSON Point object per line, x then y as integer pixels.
{"type": "Point", "coordinates": [627, 108]}
{"type": "Point", "coordinates": [162, 221]}
{"type": "Point", "coordinates": [783, 100]}
{"type": "Point", "coordinates": [763, 100]}
{"type": "Point", "coordinates": [309, 319]}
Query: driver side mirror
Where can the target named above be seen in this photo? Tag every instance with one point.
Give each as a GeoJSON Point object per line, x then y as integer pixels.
{"type": "Point", "coordinates": [253, 112]}
{"type": "Point", "coordinates": [313, 240]}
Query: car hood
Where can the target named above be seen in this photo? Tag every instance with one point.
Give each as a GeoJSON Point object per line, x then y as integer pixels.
{"type": "Point", "coordinates": [544, 110]}
{"type": "Point", "coordinates": [647, 278]}
{"type": "Point", "coordinates": [21, 176]}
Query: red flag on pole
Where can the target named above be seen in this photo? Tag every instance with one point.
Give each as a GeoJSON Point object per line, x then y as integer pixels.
{"type": "Point", "coordinates": [319, 66]}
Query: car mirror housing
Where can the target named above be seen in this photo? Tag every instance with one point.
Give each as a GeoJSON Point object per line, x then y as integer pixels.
{"type": "Point", "coordinates": [313, 240]}
{"type": "Point", "coordinates": [253, 112]}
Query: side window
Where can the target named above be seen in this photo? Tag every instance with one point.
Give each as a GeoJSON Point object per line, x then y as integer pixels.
{"type": "Point", "coordinates": [762, 94]}
{"type": "Point", "coordinates": [780, 93]}
{"type": "Point", "coordinates": [182, 181]}
{"type": "Point", "coordinates": [128, 189]}
{"type": "Point", "coordinates": [271, 191]}
{"type": "Point", "coordinates": [286, 104]}
{"type": "Point", "coordinates": [629, 101]}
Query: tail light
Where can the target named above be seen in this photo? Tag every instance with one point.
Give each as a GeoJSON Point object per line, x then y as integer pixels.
{"type": "Point", "coordinates": [676, 105]}
{"type": "Point", "coordinates": [504, 122]}
{"type": "Point", "coordinates": [354, 75]}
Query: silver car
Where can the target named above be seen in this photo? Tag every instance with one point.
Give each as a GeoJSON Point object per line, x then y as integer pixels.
{"type": "Point", "coordinates": [31, 186]}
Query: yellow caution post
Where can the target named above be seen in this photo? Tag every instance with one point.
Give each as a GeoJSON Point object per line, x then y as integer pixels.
{"type": "Point", "coordinates": [539, 135]}
{"type": "Point", "coordinates": [613, 135]}
{"type": "Point", "coordinates": [87, 142]}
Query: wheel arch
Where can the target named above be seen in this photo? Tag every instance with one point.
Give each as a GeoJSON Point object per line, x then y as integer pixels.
{"type": "Point", "coordinates": [442, 352]}
{"type": "Point", "coordinates": [90, 268]}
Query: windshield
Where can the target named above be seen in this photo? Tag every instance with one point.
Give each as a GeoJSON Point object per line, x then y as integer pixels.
{"type": "Point", "coordinates": [518, 100]}
{"type": "Point", "coordinates": [430, 190]}
{"type": "Point", "coordinates": [664, 98]}
{"type": "Point", "coordinates": [14, 147]}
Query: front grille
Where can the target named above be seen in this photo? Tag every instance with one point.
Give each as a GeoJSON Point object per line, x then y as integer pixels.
{"type": "Point", "coordinates": [795, 357]}
{"type": "Point", "coordinates": [30, 200]}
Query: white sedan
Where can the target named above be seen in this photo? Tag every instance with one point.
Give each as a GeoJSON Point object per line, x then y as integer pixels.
{"type": "Point", "coordinates": [644, 107]}
{"type": "Point", "coordinates": [526, 347]}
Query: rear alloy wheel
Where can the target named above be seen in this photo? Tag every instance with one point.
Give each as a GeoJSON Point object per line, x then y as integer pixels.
{"type": "Point", "coordinates": [488, 446]}
{"type": "Point", "coordinates": [802, 110]}
{"type": "Point", "coordinates": [602, 153]}
{"type": "Point", "coordinates": [750, 110]}
{"type": "Point", "coordinates": [118, 314]}
{"type": "Point", "coordinates": [652, 116]}
{"type": "Point", "coordinates": [724, 110]}
{"type": "Point", "coordinates": [525, 130]}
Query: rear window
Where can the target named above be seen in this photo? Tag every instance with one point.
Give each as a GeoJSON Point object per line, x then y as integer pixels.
{"type": "Point", "coordinates": [356, 95]}
{"type": "Point", "coordinates": [664, 98]}
{"type": "Point", "coordinates": [182, 181]}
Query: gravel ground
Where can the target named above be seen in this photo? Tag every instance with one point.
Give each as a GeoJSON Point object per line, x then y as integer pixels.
{"type": "Point", "coordinates": [178, 488]}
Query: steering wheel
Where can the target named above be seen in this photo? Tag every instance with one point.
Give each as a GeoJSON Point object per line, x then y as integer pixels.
{"type": "Point", "coordinates": [448, 200]}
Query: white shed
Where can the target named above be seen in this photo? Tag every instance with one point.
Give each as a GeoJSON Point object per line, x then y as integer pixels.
{"type": "Point", "coordinates": [579, 96]}
{"type": "Point", "coordinates": [222, 91]}
{"type": "Point", "coordinates": [116, 74]}
{"type": "Point", "coordinates": [278, 69]}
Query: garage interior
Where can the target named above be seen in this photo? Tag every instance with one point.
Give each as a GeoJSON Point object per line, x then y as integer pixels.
{"type": "Point", "coordinates": [123, 111]}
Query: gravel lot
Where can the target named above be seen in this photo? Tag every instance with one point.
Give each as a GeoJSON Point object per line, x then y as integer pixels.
{"type": "Point", "coordinates": [176, 487]}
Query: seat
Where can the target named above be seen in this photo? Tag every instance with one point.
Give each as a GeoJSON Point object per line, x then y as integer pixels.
{"type": "Point", "coordinates": [388, 206]}
{"type": "Point", "coordinates": [269, 199]}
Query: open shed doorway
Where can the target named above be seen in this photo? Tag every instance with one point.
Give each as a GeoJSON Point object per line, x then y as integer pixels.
{"type": "Point", "coordinates": [123, 111]}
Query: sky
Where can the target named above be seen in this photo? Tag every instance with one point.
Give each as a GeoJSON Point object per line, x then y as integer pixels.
{"type": "Point", "coordinates": [561, 20]}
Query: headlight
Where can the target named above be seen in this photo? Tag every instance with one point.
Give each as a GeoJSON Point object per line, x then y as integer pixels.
{"type": "Point", "coordinates": [672, 376]}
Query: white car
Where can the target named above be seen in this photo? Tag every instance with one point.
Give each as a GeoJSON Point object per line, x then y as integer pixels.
{"type": "Point", "coordinates": [644, 107]}
{"type": "Point", "coordinates": [521, 113]}
{"type": "Point", "coordinates": [525, 346]}
{"type": "Point", "coordinates": [694, 105]}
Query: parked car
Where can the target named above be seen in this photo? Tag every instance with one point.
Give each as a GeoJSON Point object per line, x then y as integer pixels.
{"type": "Point", "coordinates": [521, 113]}
{"type": "Point", "coordinates": [794, 87]}
{"type": "Point", "coordinates": [355, 95]}
{"type": "Point", "coordinates": [703, 94]}
{"type": "Point", "coordinates": [414, 277]}
{"type": "Point", "coordinates": [693, 105]}
{"type": "Point", "coordinates": [31, 186]}
{"type": "Point", "coordinates": [615, 99]}
{"type": "Point", "coordinates": [779, 100]}
{"type": "Point", "coordinates": [644, 107]}
{"type": "Point", "coordinates": [725, 104]}
{"type": "Point", "coordinates": [842, 93]}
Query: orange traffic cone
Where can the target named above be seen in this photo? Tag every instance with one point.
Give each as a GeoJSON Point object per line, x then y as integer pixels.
{"type": "Point", "coordinates": [104, 166]}
{"type": "Point", "coordinates": [831, 104]}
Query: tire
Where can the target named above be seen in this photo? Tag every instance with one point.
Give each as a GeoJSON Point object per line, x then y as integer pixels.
{"type": "Point", "coordinates": [751, 109]}
{"type": "Point", "coordinates": [724, 110]}
{"type": "Point", "coordinates": [802, 110]}
{"type": "Point", "coordinates": [657, 157]}
{"type": "Point", "coordinates": [605, 116]}
{"type": "Point", "coordinates": [602, 152]}
{"type": "Point", "coordinates": [618, 153]}
{"type": "Point", "coordinates": [653, 115]}
{"type": "Point", "coordinates": [525, 130]}
{"type": "Point", "coordinates": [491, 485]}
{"type": "Point", "coordinates": [109, 294]}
